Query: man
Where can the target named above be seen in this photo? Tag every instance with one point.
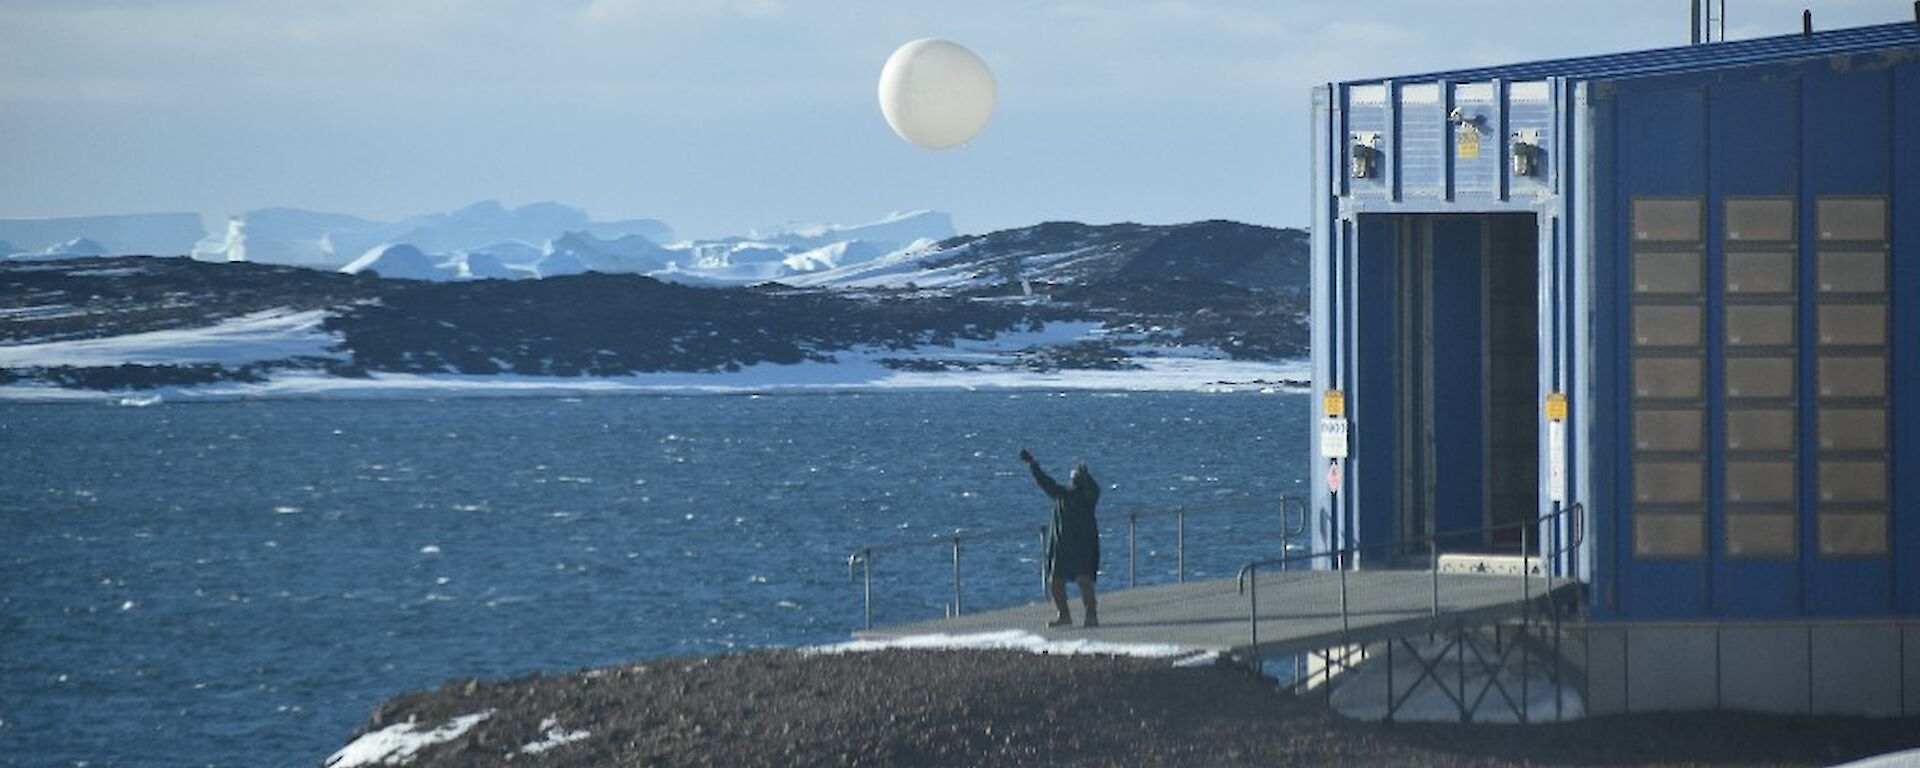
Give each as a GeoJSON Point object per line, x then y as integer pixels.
{"type": "Point", "coordinates": [1073, 539]}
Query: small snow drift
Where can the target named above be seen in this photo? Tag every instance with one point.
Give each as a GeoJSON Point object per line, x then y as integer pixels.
{"type": "Point", "coordinates": [400, 744]}
{"type": "Point", "coordinates": [397, 261]}
{"type": "Point", "coordinates": [1010, 640]}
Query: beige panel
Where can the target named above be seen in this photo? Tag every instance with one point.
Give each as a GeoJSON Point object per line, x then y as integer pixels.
{"type": "Point", "coordinates": [1760, 272]}
{"type": "Point", "coordinates": [1853, 481]}
{"type": "Point", "coordinates": [1668, 431]}
{"type": "Point", "coordinates": [1668, 377]}
{"type": "Point", "coordinates": [1853, 271]}
{"type": "Point", "coordinates": [1752, 534]}
{"type": "Point", "coordinates": [1760, 377]}
{"type": "Point", "coordinates": [1768, 218]}
{"type": "Point", "coordinates": [1760, 482]}
{"type": "Point", "coordinates": [1666, 220]}
{"type": "Point", "coordinates": [1760, 429]}
{"type": "Point", "coordinates": [1656, 326]}
{"type": "Point", "coordinates": [1660, 272]}
{"type": "Point", "coordinates": [1668, 482]}
{"type": "Point", "coordinates": [1853, 325]}
{"type": "Point", "coordinates": [1853, 376]}
{"type": "Point", "coordinates": [1853, 429]}
{"type": "Point", "coordinates": [1669, 535]}
{"type": "Point", "coordinates": [1763, 668]}
{"type": "Point", "coordinates": [1851, 218]}
{"type": "Point", "coordinates": [1853, 534]}
{"type": "Point", "coordinates": [1760, 325]}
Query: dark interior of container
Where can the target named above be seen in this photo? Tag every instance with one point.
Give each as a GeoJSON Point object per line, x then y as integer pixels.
{"type": "Point", "coordinates": [1466, 370]}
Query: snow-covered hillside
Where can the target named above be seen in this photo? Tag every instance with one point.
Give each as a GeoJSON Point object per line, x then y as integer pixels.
{"type": "Point", "coordinates": [1203, 305]}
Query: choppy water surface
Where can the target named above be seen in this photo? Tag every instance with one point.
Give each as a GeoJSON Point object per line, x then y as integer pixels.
{"type": "Point", "coordinates": [240, 584]}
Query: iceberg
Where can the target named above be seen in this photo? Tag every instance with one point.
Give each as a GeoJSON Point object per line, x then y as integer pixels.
{"type": "Point", "coordinates": [328, 240]}
{"type": "Point", "coordinates": [894, 231]}
{"type": "Point", "coordinates": [631, 253]}
{"type": "Point", "coordinates": [153, 234]}
{"type": "Point", "coordinates": [479, 266]}
{"type": "Point", "coordinates": [396, 260]}
{"type": "Point", "coordinates": [76, 248]}
{"type": "Point", "coordinates": [559, 263]}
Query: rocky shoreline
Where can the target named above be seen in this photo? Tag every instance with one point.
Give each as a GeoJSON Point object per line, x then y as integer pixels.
{"type": "Point", "coordinates": [908, 707]}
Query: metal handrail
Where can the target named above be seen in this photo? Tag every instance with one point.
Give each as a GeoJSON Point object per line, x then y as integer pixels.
{"type": "Point", "coordinates": [1247, 581]}
{"type": "Point", "coordinates": [860, 561]}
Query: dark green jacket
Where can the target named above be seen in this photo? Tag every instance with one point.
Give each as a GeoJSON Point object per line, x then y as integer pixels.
{"type": "Point", "coordinates": [1073, 540]}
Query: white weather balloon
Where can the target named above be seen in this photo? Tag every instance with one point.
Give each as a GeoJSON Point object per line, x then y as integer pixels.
{"type": "Point", "coordinates": [936, 93]}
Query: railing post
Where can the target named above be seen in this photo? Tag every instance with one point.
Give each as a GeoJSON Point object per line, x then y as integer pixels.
{"type": "Point", "coordinates": [1433, 553]}
{"type": "Point", "coordinates": [866, 566]}
{"type": "Point", "coordinates": [1253, 613]}
{"type": "Point", "coordinates": [1043, 560]}
{"type": "Point", "coordinates": [1286, 532]}
{"type": "Point", "coordinates": [1526, 596]}
{"type": "Point", "coordinates": [956, 575]}
{"type": "Point", "coordinates": [1343, 604]}
{"type": "Point", "coordinates": [1133, 521]}
{"type": "Point", "coordinates": [1389, 679]}
{"type": "Point", "coordinates": [1180, 515]}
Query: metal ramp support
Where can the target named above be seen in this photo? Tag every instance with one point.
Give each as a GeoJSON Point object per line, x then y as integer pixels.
{"type": "Point", "coordinates": [1472, 663]}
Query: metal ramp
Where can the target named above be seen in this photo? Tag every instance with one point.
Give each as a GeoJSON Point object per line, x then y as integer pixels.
{"type": "Point", "coordinates": [1299, 611]}
{"type": "Point", "coordinates": [1503, 612]}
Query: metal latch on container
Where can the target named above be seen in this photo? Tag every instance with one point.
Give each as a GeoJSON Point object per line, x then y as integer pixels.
{"type": "Point", "coordinates": [1526, 151]}
{"type": "Point", "coordinates": [1365, 153]}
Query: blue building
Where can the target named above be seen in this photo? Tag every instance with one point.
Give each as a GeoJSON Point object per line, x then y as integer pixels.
{"type": "Point", "coordinates": [1680, 287]}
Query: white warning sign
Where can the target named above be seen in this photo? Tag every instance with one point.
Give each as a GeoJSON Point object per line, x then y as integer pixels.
{"type": "Point", "coordinates": [1333, 437]}
{"type": "Point", "coordinates": [1557, 461]}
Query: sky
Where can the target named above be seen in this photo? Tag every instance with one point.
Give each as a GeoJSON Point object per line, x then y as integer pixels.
{"type": "Point", "coordinates": [717, 116]}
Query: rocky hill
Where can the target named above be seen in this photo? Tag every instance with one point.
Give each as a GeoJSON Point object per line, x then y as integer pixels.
{"type": "Point", "coordinates": [1213, 288]}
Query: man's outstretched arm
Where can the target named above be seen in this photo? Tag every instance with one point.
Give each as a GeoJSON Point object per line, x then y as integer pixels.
{"type": "Point", "coordinates": [1040, 475]}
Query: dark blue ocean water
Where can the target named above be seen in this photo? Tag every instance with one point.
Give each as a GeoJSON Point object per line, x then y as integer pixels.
{"type": "Point", "coordinates": [240, 584]}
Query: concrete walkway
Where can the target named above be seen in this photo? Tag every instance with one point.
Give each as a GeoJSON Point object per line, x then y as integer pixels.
{"type": "Point", "coordinates": [1299, 611]}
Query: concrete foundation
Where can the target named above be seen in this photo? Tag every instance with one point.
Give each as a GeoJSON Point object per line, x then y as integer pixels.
{"type": "Point", "coordinates": [1869, 668]}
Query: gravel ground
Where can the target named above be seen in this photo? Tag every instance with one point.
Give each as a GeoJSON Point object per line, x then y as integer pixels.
{"type": "Point", "coordinates": [1001, 708]}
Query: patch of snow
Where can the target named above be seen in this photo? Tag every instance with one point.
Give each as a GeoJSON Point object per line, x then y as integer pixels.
{"type": "Point", "coordinates": [275, 334]}
{"type": "Point", "coordinates": [1008, 640]}
{"type": "Point", "coordinates": [108, 272]}
{"type": "Point", "coordinates": [1907, 759]}
{"type": "Point", "coordinates": [553, 736]}
{"type": "Point", "coordinates": [401, 744]}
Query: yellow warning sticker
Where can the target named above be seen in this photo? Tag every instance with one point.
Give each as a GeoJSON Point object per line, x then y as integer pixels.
{"type": "Point", "coordinates": [1466, 142]}
{"type": "Point", "coordinates": [1336, 403]}
{"type": "Point", "coordinates": [1556, 406]}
